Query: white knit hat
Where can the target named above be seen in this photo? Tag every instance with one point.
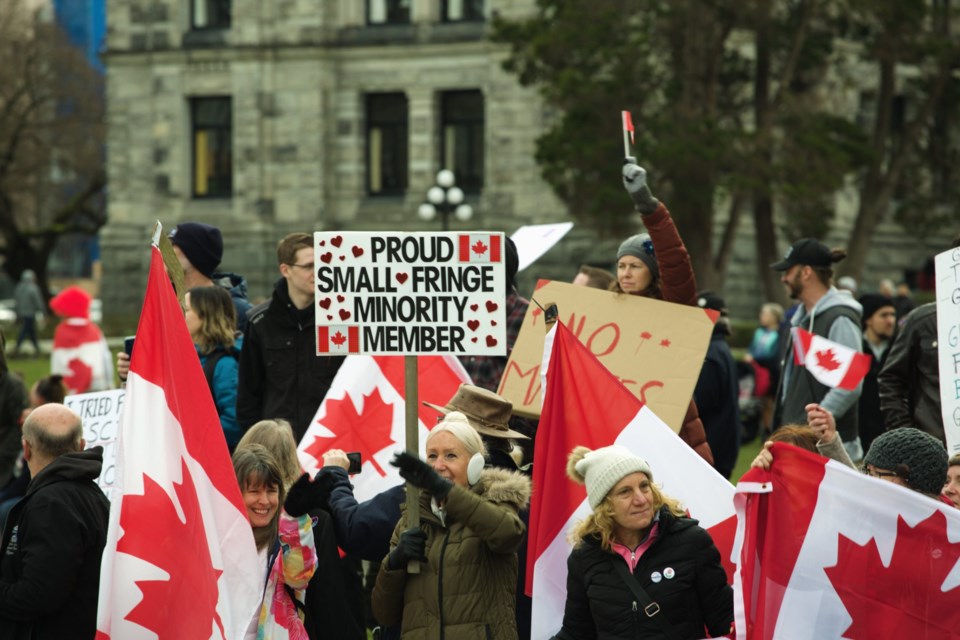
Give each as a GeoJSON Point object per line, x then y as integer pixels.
{"type": "Point", "coordinates": [602, 469]}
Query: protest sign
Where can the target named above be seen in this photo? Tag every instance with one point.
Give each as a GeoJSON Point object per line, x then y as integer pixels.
{"type": "Point", "coordinates": [655, 348]}
{"type": "Point", "coordinates": [410, 293]}
{"type": "Point", "coordinates": [534, 240]}
{"type": "Point", "coordinates": [100, 412]}
{"type": "Point", "coordinates": [948, 339]}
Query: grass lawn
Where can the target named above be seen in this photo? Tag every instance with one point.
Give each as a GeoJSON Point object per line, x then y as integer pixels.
{"type": "Point", "coordinates": [748, 452]}
{"type": "Point", "coordinates": [30, 369]}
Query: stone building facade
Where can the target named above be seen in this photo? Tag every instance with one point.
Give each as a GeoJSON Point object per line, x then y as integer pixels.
{"type": "Point", "coordinates": [266, 120]}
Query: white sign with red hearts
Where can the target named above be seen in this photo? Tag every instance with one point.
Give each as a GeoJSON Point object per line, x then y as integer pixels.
{"type": "Point", "coordinates": [410, 293]}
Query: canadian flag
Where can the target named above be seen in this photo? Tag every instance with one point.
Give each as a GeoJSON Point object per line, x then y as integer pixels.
{"type": "Point", "coordinates": [81, 355]}
{"type": "Point", "coordinates": [180, 560]}
{"type": "Point", "coordinates": [364, 411]}
{"type": "Point", "coordinates": [827, 552]}
{"type": "Point", "coordinates": [585, 404]}
{"type": "Point", "coordinates": [338, 339]}
{"type": "Point", "coordinates": [829, 362]}
{"type": "Point", "coordinates": [627, 123]}
{"type": "Point", "coordinates": [480, 247]}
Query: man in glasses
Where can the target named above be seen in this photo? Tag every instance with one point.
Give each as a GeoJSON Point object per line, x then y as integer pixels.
{"type": "Point", "coordinates": [280, 373]}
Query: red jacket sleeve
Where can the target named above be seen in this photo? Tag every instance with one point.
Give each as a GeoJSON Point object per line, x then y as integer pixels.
{"type": "Point", "coordinates": [677, 281]}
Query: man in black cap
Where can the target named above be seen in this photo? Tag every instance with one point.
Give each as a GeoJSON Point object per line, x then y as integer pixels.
{"type": "Point", "coordinates": [808, 277]}
{"type": "Point", "coordinates": [199, 249]}
{"type": "Point", "coordinates": [879, 322]}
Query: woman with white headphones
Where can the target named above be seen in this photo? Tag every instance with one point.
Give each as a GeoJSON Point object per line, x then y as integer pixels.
{"type": "Point", "coordinates": [467, 542]}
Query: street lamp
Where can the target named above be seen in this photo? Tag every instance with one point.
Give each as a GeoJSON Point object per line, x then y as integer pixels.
{"type": "Point", "coordinates": [445, 198]}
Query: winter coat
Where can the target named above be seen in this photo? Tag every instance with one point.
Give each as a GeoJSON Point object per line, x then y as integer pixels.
{"type": "Point", "coordinates": [27, 299]}
{"type": "Point", "coordinates": [281, 375]}
{"type": "Point", "coordinates": [363, 529]}
{"type": "Point", "coordinates": [53, 541]}
{"type": "Point", "coordinates": [910, 378]}
{"type": "Point", "coordinates": [677, 284]}
{"type": "Point", "coordinates": [868, 407]}
{"type": "Point", "coordinates": [237, 286]}
{"type": "Point", "coordinates": [465, 590]}
{"type": "Point", "coordinates": [13, 400]}
{"type": "Point", "coordinates": [81, 355]}
{"type": "Point", "coordinates": [291, 563]}
{"type": "Point", "coordinates": [717, 394]}
{"type": "Point", "coordinates": [224, 389]}
{"type": "Point", "coordinates": [600, 604]}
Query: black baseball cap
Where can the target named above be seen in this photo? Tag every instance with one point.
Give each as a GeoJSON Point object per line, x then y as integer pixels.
{"type": "Point", "coordinates": [808, 251]}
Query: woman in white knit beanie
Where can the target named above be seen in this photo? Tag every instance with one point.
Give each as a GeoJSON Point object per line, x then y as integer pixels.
{"type": "Point", "coordinates": [640, 567]}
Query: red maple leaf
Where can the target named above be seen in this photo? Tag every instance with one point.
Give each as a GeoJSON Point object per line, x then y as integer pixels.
{"type": "Point", "coordinates": [80, 376]}
{"type": "Point", "coordinates": [905, 599]}
{"type": "Point", "coordinates": [367, 432]}
{"type": "Point", "coordinates": [827, 360]}
{"type": "Point", "coordinates": [338, 339]}
{"type": "Point", "coordinates": [479, 248]}
{"type": "Point", "coordinates": [185, 604]}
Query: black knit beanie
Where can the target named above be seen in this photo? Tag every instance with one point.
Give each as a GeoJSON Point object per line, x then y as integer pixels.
{"type": "Point", "coordinates": [916, 456]}
{"type": "Point", "coordinates": [201, 243]}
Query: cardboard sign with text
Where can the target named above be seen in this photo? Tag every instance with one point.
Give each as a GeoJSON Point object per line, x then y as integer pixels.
{"type": "Point", "coordinates": [100, 413]}
{"type": "Point", "coordinates": [948, 339]}
{"type": "Point", "coordinates": [410, 293]}
{"type": "Point", "coordinates": [655, 348]}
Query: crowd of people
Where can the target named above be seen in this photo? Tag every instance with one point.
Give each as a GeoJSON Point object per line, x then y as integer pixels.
{"type": "Point", "coordinates": [454, 567]}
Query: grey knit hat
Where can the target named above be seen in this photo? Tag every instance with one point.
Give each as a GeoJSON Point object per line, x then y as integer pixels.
{"type": "Point", "coordinates": [602, 469]}
{"type": "Point", "coordinates": [917, 457]}
{"type": "Point", "coordinates": [640, 246]}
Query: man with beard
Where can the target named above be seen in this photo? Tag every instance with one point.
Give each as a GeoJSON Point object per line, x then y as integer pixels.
{"type": "Point", "coordinates": [879, 322]}
{"type": "Point", "coordinates": [808, 277]}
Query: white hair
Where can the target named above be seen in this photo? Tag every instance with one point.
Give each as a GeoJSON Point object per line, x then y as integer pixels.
{"type": "Point", "coordinates": [456, 424]}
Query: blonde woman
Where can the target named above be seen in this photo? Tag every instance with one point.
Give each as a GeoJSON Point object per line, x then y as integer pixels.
{"type": "Point", "coordinates": [639, 568]}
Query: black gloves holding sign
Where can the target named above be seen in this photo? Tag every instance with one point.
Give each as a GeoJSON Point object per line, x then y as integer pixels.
{"type": "Point", "coordinates": [411, 546]}
{"type": "Point", "coordinates": [421, 475]}
{"type": "Point", "coordinates": [635, 181]}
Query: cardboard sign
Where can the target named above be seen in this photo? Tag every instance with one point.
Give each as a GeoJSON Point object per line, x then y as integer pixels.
{"type": "Point", "coordinates": [948, 339]}
{"type": "Point", "coordinates": [100, 413]}
{"type": "Point", "coordinates": [410, 293]}
{"type": "Point", "coordinates": [655, 348]}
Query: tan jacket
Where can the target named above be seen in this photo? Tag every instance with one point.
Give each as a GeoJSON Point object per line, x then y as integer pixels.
{"type": "Point", "coordinates": [467, 587]}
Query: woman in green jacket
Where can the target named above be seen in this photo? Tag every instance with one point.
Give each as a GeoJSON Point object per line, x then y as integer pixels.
{"type": "Point", "coordinates": [466, 543]}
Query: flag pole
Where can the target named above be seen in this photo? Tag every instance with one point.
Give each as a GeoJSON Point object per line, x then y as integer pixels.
{"type": "Point", "coordinates": [411, 393]}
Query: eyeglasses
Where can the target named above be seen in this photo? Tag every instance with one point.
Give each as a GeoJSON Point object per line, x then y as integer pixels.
{"type": "Point", "coordinates": [874, 473]}
{"type": "Point", "coordinates": [304, 266]}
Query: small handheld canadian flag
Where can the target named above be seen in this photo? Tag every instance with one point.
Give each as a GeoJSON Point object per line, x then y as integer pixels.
{"type": "Point", "coordinates": [628, 132]}
{"type": "Point", "coordinates": [830, 363]}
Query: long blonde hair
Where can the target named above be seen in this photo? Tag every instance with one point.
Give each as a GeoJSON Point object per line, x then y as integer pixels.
{"type": "Point", "coordinates": [255, 466]}
{"type": "Point", "coordinates": [277, 436]}
{"type": "Point", "coordinates": [218, 317]}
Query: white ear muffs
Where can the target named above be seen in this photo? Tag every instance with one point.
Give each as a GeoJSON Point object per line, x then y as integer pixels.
{"type": "Point", "coordinates": [475, 468]}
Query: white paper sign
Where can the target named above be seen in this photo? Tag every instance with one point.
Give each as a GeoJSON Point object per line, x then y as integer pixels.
{"type": "Point", "coordinates": [100, 413]}
{"type": "Point", "coordinates": [410, 293]}
{"type": "Point", "coordinates": [536, 239]}
{"type": "Point", "coordinates": [948, 339]}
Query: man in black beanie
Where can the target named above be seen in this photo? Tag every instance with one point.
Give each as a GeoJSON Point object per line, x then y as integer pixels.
{"type": "Point", "coordinates": [879, 322]}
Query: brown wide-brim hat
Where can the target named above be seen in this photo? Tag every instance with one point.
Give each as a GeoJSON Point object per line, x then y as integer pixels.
{"type": "Point", "coordinates": [486, 412]}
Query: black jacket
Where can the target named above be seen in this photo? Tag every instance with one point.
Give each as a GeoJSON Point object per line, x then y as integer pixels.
{"type": "Point", "coordinates": [871, 419]}
{"type": "Point", "coordinates": [363, 529]}
{"type": "Point", "coordinates": [717, 394]}
{"type": "Point", "coordinates": [52, 542]}
{"type": "Point", "coordinates": [600, 604]}
{"type": "Point", "coordinates": [910, 377]}
{"type": "Point", "coordinates": [13, 400]}
{"type": "Point", "coordinates": [281, 375]}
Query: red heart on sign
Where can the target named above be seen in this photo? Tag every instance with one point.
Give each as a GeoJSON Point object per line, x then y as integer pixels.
{"type": "Point", "coordinates": [357, 252]}
{"type": "Point", "coordinates": [474, 307]}
{"type": "Point", "coordinates": [492, 306]}
{"type": "Point", "coordinates": [340, 298]}
{"type": "Point", "coordinates": [325, 303]}
{"type": "Point", "coordinates": [344, 314]}
{"type": "Point", "coordinates": [401, 278]}
{"type": "Point", "coordinates": [329, 317]}
{"type": "Point", "coordinates": [322, 243]}
{"type": "Point", "coordinates": [336, 241]}
{"type": "Point", "coordinates": [473, 339]}
{"type": "Point", "coordinates": [343, 257]}
{"type": "Point", "coordinates": [473, 324]}
{"type": "Point", "coordinates": [493, 323]}
{"type": "Point", "coordinates": [491, 341]}
{"type": "Point", "coordinates": [326, 257]}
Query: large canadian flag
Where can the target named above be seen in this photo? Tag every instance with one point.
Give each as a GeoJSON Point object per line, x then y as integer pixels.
{"type": "Point", "coordinates": [81, 355]}
{"type": "Point", "coordinates": [827, 552]}
{"type": "Point", "coordinates": [180, 560]}
{"type": "Point", "coordinates": [585, 404]}
{"type": "Point", "coordinates": [364, 411]}
{"type": "Point", "coordinates": [829, 362]}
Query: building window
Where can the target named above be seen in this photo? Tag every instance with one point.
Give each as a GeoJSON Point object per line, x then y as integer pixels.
{"type": "Point", "coordinates": [210, 14]}
{"type": "Point", "coordinates": [461, 130]}
{"type": "Point", "coordinates": [462, 10]}
{"type": "Point", "coordinates": [386, 143]}
{"type": "Point", "coordinates": [212, 127]}
{"type": "Point", "coordinates": [388, 11]}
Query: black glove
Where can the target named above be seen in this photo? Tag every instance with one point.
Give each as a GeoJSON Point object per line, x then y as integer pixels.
{"type": "Point", "coordinates": [421, 475]}
{"type": "Point", "coordinates": [635, 181]}
{"type": "Point", "coordinates": [411, 546]}
{"type": "Point", "coordinates": [303, 496]}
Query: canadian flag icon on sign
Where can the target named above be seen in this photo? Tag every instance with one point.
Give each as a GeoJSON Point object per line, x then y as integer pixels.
{"type": "Point", "coordinates": [480, 247]}
{"type": "Point", "coordinates": [338, 339]}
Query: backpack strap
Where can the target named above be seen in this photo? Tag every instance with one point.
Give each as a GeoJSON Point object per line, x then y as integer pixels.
{"type": "Point", "coordinates": [210, 366]}
{"type": "Point", "coordinates": [650, 608]}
